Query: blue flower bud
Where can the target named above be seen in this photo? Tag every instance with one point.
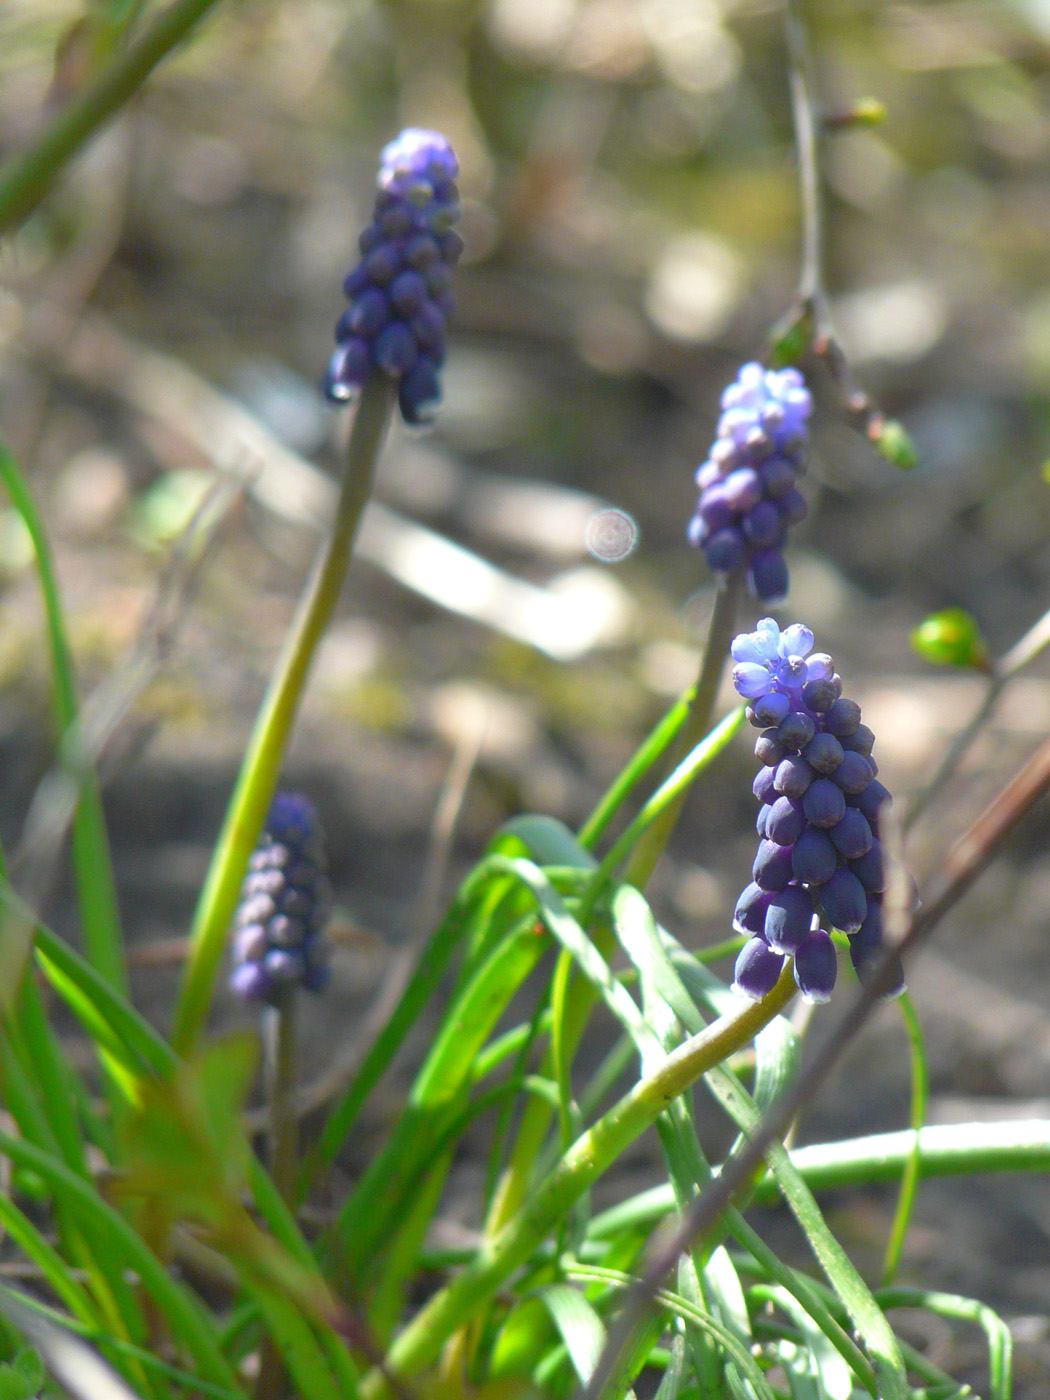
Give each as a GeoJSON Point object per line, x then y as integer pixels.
{"type": "Point", "coordinates": [284, 903]}
{"type": "Point", "coordinates": [819, 853]}
{"type": "Point", "coordinates": [399, 293]}
{"type": "Point", "coordinates": [752, 469]}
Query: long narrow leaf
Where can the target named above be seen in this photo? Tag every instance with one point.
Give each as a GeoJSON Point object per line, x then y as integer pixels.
{"type": "Point", "coordinates": [96, 890]}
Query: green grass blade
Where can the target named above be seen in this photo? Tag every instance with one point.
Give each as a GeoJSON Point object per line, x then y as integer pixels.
{"type": "Point", "coordinates": [96, 890]}
{"type": "Point", "coordinates": [841, 1273]}
{"type": "Point", "coordinates": [920, 1092]}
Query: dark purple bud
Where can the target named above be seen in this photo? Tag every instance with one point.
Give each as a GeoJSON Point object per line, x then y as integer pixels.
{"type": "Point", "coordinates": [823, 753]}
{"type": "Point", "coordinates": [786, 821]}
{"type": "Point", "coordinates": [866, 949]}
{"type": "Point", "coordinates": [844, 901]}
{"type": "Point", "coordinates": [420, 392]}
{"type": "Point", "coordinates": [762, 820]}
{"type": "Point", "coordinates": [757, 969]}
{"type": "Point", "coordinates": [824, 804]}
{"type": "Point", "coordinates": [762, 525]}
{"type": "Point", "coordinates": [250, 981]}
{"type": "Point", "coordinates": [395, 348]}
{"type": "Point", "coordinates": [813, 857]}
{"type": "Point", "coordinates": [870, 868]}
{"type": "Point", "coordinates": [843, 719]}
{"type": "Point", "coordinates": [369, 313]}
{"type": "Point", "coordinates": [793, 776]}
{"type": "Point", "coordinates": [872, 799]}
{"type": "Point", "coordinates": [767, 575]}
{"type": "Point", "coordinates": [742, 489]}
{"type": "Point", "coordinates": [852, 836]}
{"type": "Point", "coordinates": [715, 511]}
{"type": "Point", "coordinates": [763, 787]}
{"type": "Point", "coordinates": [777, 475]}
{"type": "Point", "coordinates": [408, 292]}
{"type": "Point", "coordinates": [862, 740]}
{"type": "Point", "coordinates": [796, 731]}
{"type": "Point", "coordinates": [726, 550]}
{"type": "Point", "coordinates": [750, 913]}
{"type": "Point", "coordinates": [770, 709]}
{"type": "Point", "coordinates": [815, 967]}
{"type": "Point", "coordinates": [383, 264]}
{"type": "Point", "coordinates": [772, 867]}
{"type": "Point", "coordinates": [819, 696]}
{"type": "Point", "coordinates": [428, 327]}
{"type": "Point", "coordinates": [789, 919]}
{"type": "Point", "coordinates": [792, 505]}
{"type": "Point", "coordinates": [768, 749]}
{"type": "Point", "coordinates": [853, 775]}
{"type": "Point", "coordinates": [421, 252]}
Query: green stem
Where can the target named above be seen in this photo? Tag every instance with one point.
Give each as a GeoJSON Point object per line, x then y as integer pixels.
{"type": "Point", "coordinates": [279, 1051]}
{"type": "Point", "coordinates": [259, 771]}
{"type": "Point", "coordinates": [26, 177]}
{"type": "Point", "coordinates": [654, 840]}
{"type": "Point", "coordinates": [589, 1156]}
{"type": "Point", "coordinates": [956, 1149]}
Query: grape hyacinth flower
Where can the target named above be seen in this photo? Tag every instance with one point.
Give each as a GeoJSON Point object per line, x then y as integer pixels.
{"type": "Point", "coordinates": [748, 496]}
{"type": "Point", "coordinates": [277, 942]}
{"type": "Point", "coordinates": [399, 295]}
{"type": "Point", "coordinates": [820, 863]}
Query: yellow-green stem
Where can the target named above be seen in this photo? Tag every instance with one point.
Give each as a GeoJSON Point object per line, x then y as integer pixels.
{"type": "Point", "coordinates": [651, 845]}
{"type": "Point", "coordinates": [262, 762]}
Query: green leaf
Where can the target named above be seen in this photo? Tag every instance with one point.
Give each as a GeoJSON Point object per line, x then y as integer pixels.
{"type": "Point", "coordinates": [951, 638]}
{"type": "Point", "coordinates": [580, 1327]}
{"type": "Point", "coordinates": [23, 1378]}
{"type": "Point", "coordinates": [817, 1367]}
{"type": "Point", "coordinates": [792, 337]}
{"type": "Point", "coordinates": [547, 841]}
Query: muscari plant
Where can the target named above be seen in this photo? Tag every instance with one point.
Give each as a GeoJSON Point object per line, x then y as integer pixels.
{"type": "Point", "coordinates": [164, 1258]}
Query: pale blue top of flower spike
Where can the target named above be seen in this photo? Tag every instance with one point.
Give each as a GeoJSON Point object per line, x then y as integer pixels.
{"type": "Point", "coordinates": [414, 162]}
{"type": "Point", "coordinates": [770, 659]}
{"type": "Point", "coordinates": [753, 392]}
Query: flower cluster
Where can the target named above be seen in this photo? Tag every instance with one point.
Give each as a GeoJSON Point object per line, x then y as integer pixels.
{"type": "Point", "coordinates": [748, 496]}
{"type": "Point", "coordinates": [820, 862]}
{"type": "Point", "coordinates": [284, 904]}
{"type": "Point", "coordinates": [399, 294]}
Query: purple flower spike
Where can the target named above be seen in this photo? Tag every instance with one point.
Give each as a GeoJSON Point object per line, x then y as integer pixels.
{"type": "Point", "coordinates": [749, 478]}
{"type": "Point", "coordinates": [819, 864]}
{"type": "Point", "coordinates": [284, 904]}
{"type": "Point", "coordinates": [399, 292]}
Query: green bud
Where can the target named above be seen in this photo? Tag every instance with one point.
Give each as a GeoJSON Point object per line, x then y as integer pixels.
{"type": "Point", "coordinates": [867, 111]}
{"type": "Point", "coordinates": [892, 441]}
{"type": "Point", "coordinates": [951, 638]}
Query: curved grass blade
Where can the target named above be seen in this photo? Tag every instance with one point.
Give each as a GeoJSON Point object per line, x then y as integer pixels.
{"type": "Point", "coordinates": [96, 889]}
{"type": "Point", "coordinates": [951, 1305]}
{"type": "Point", "coordinates": [920, 1092]}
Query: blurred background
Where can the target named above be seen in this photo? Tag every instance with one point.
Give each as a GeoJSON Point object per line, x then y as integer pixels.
{"type": "Point", "coordinates": [525, 604]}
